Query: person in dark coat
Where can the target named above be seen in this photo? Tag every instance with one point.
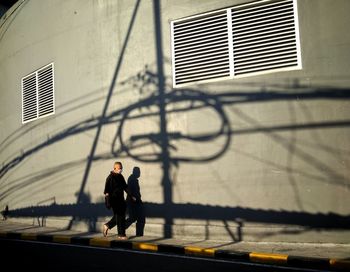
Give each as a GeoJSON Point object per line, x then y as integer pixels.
{"type": "Point", "coordinates": [5, 212]}
{"type": "Point", "coordinates": [115, 187]}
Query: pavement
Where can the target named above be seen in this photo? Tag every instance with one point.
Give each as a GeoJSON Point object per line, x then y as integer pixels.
{"type": "Point", "coordinates": [325, 256]}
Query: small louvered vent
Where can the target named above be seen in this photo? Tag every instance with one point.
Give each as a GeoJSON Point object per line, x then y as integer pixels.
{"type": "Point", "coordinates": [264, 37]}
{"type": "Point", "coordinates": [38, 94]}
{"type": "Point", "coordinates": [201, 48]}
{"type": "Point", "coordinates": [256, 37]}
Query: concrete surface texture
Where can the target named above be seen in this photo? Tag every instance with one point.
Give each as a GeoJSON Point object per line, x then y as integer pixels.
{"type": "Point", "coordinates": [322, 256]}
{"type": "Point", "coordinates": [262, 157]}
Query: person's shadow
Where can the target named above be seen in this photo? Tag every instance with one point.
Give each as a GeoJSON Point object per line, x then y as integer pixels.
{"type": "Point", "coordinates": [136, 211]}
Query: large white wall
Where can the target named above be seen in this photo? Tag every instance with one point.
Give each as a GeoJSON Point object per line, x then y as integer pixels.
{"type": "Point", "coordinates": [264, 150]}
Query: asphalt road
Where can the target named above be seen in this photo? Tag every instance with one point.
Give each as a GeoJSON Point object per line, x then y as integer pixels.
{"type": "Point", "coordinates": [22, 255]}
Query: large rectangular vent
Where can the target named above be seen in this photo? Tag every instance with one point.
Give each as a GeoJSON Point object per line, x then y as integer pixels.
{"type": "Point", "coordinates": [256, 37]}
{"type": "Point", "coordinates": [38, 94]}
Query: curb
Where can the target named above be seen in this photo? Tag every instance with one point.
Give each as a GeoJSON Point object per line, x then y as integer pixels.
{"type": "Point", "coordinates": [255, 257]}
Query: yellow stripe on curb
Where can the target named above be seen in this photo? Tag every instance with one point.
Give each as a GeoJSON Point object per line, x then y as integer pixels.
{"type": "Point", "coordinates": [28, 236]}
{"type": "Point", "coordinates": [199, 251]}
{"type": "Point", "coordinates": [337, 263]}
{"type": "Point", "coordinates": [100, 242]}
{"type": "Point", "coordinates": [145, 246]}
{"type": "Point", "coordinates": [268, 258]}
{"type": "Point", "coordinates": [61, 239]}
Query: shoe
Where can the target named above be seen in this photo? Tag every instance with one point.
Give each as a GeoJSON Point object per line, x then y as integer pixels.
{"type": "Point", "coordinates": [105, 230]}
{"type": "Point", "coordinates": [122, 237]}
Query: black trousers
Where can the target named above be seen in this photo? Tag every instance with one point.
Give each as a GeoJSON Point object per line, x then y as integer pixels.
{"type": "Point", "coordinates": [118, 220]}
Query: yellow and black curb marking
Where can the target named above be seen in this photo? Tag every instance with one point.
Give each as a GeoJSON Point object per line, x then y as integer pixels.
{"type": "Point", "coordinates": [256, 257]}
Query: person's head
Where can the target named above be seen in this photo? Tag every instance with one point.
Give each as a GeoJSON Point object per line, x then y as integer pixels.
{"type": "Point", "coordinates": [136, 172]}
{"type": "Point", "coordinates": [118, 167]}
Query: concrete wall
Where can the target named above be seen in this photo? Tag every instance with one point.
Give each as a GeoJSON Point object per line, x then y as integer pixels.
{"type": "Point", "coordinates": [256, 158]}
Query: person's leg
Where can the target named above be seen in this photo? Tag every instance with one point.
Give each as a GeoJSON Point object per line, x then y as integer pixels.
{"type": "Point", "coordinates": [111, 223]}
{"type": "Point", "coordinates": [121, 224]}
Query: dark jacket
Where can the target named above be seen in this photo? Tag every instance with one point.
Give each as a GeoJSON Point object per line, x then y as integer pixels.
{"type": "Point", "coordinates": [115, 186]}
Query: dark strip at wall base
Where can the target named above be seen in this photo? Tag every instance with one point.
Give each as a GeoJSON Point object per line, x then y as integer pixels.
{"type": "Point", "coordinates": [171, 249]}
{"type": "Point", "coordinates": [299, 261]}
{"type": "Point", "coordinates": [121, 244]}
{"type": "Point", "coordinates": [232, 255]}
{"type": "Point", "coordinates": [14, 235]}
{"type": "Point", "coordinates": [44, 238]}
{"type": "Point", "coordinates": [80, 240]}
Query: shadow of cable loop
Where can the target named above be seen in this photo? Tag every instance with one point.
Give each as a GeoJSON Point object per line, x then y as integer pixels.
{"type": "Point", "coordinates": [135, 144]}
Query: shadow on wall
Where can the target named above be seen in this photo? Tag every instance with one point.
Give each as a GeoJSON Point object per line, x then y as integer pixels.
{"type": "Point", "coordinates": [135, 209]}
{"type": "Point", "coordinates": [159, 100]}
{"type": "Point", "coordinates": [89, 212]}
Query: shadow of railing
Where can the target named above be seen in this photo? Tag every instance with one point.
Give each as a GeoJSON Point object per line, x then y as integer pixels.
{"type": "Point", "coordinates": [90, 212]}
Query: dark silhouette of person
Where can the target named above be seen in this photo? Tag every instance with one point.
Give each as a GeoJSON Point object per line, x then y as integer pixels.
{"type": "Point", "coordinates": [115, 187]}
{"type": "Point", "coordinates": [5, 212]}
{"type": "Point", "coordinates": [135, 208]}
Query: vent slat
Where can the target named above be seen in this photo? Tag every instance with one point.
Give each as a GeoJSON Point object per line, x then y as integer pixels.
{"type": "Point", "coordinates": [203, 66]}
{"type": "Point", "coordinates": [202, 62]}
{"type": "Point", "coordinates": [264, 46]}
{"type": "Point", "coordinates": [201, 78]}
{"type": "Point", "coordinates": [204, 27]}
{"type": "Point", "coordinates": [208, 41]}
{"type": "Point", "coordinates": [265, 55]}
{"type": "Point", "coordinates": [198, 46]}
{"type": "Point", "coordinates": [219, 56]}
{"type": "Point", "coordinates": [261, 7]}
{"type": "Point", "coordinates": [202, 38]}
{"type": "Point", "coordinates": [204, 52]}
{"type": "Point", "coordinates": [193, 22]}
{"type": "Point", "coordinates": [255, 13]}
{"type": "Point", "coordinates": [265, 62]}
{"type": "Point", "coordinates": [202, 71]}
{"type": "Point", "coordinates": [266, 36]}
{"type": "Point", "coordinates": [264, 68]}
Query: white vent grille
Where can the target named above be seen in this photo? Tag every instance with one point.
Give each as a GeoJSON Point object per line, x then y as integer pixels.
{"type": "Point", "coordinates": [38, 94]}
{"type": "Point", "coordinates": [256, 37]}
{"type": "Point", "coordinates": [201, 48]}
{"type": "Point", "coordinates": [264, 37]}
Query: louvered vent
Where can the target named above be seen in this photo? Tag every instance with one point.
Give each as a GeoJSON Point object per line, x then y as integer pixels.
{"type": "Point", "coordinates": [38, 94]}
{"type": "Point", "coordinates": [45, 91]}
{"type": "Point", "coordinates": [201, 48]}
{"type": "Point", "coordinates": [256, 37]}
{"type": "Point", "coordinates": [264, 37]}
{"type": "Point", "coordinates": [29, 100]}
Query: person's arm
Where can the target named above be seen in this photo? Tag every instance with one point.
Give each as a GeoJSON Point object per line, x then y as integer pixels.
{"type": "Point", "coordinates": [106, 190]}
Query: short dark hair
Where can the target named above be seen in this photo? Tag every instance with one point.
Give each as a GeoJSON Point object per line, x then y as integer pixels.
{"type": "Point", "coordinates": [119, 163]}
